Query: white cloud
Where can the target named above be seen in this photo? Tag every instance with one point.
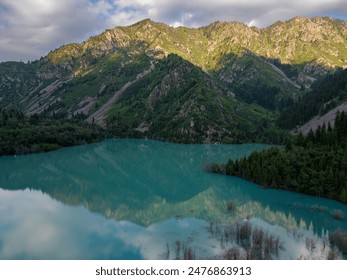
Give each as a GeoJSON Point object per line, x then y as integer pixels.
{"type": "Point", "coordinates": [203, 12]}
{"type": "Point", "coordinates": [58, 231]}
{"type": "Point", "coordinates": [30, 28]}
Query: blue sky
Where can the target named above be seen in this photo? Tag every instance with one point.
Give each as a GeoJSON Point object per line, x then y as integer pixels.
{"type": "Point", "coordinates": [29, 29]}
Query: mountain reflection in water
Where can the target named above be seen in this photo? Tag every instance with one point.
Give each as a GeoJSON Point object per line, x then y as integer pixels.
{"type": "Point", "coordinates": [135, 199]}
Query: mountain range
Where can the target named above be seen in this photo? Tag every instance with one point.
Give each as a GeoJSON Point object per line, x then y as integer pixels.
{"type": "Point", "coordinates": [226, 82]}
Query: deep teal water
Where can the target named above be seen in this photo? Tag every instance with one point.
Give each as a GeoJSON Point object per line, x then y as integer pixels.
{"type": "Point", "coordinates": [116, 199]}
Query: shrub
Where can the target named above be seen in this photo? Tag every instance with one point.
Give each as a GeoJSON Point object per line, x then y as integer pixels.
{"type": "Point", "coordinates": [339, 238]}
{"type": "Point", "coordinates": [231, 206]}
{"type": "Point", "coordinates": [337, 214]}
{"type": "Point", "coordinates": [333, 254]}
{"type": "Point", "coordinates": [189, 254]}
{"type": "Point", "coordinates": [232, 254]}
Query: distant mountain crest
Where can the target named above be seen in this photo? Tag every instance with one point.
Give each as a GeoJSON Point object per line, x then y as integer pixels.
{"type": "Point", "coordinates": [202, 78]}
{"type": "Point", "coordinates": [296, 41]}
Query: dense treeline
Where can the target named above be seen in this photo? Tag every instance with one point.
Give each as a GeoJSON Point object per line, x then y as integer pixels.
{"type": "Point", "coordinates": [20, 134]}
{"type": "Point", "coordinates": [288, 69]}
{"type": "Point", "coordinates": [259, 93]}
{"type": "Point", "coordinates": [324, 95]}
{"type": "Point", "coordinates": [315, 164]}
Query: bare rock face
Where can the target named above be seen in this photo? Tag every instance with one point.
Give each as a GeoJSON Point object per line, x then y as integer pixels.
{"type": "Point", "coordinates": [325, 120]}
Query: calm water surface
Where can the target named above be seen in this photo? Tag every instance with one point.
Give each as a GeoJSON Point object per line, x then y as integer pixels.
{"type": "Point", "coordinates": [131, 199]}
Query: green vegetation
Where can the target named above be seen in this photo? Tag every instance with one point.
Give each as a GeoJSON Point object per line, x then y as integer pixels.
{"type": "Point", "coordinates": [315, 165]}
{"type": "Point", "coordinates": [259, 93]}
{"type": "Point", "coordinates": [257, 81]}
{"type": "Point", "coordinates": [178, 102]}
{"type": "Point", "coordinates": [325, 95]}
{"type": "Point", "coordinates": [16, 78]}
{"type": "Point", "coordinates": [223, 83]}
{"type": "Point", "coordinates": [21, 135]}
{"type": "Point", "coordinates": [115, 72]}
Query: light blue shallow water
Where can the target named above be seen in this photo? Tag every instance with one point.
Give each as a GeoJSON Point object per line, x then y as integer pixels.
{"type": "Point", "coordinates": [116, 199]}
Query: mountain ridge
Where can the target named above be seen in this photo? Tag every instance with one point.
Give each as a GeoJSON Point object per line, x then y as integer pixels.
{"type": "Point", "coordinates": [240, 66]}
{"type": "Point", "coordinates": [124, 34]}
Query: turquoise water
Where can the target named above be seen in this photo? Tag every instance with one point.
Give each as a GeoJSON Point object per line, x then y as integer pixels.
{"type": "Point", "coordinates": [127, 198]}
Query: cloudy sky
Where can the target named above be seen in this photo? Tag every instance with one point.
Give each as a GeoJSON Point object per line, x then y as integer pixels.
{"type": "Point", "coordinates": [29, 29]}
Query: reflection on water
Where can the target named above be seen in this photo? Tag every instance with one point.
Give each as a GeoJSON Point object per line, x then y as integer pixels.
{"type": "Point", "coordinates": [35, 227]}
{"type": "Point", "coordinates": [147, 193]}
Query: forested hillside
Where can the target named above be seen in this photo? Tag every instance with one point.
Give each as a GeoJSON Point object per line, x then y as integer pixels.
{"type": "Point", "coordinates": [179, 102]}
{"type": "Point", "coordinates": [315, 164]}
{"type": "Point", "coordinates": [222, 83]}
{"type": "Point", "coordinates": [20, 134]}
{"type": "Point", "coordinates": [324, 95]}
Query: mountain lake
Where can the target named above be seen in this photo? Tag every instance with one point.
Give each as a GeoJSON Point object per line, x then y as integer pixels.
{"type": "Point", "coordinates": [144, 199]}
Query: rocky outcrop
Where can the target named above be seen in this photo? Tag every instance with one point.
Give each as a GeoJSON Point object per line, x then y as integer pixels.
{"type": "Point", "coordinates": [326, 119]}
